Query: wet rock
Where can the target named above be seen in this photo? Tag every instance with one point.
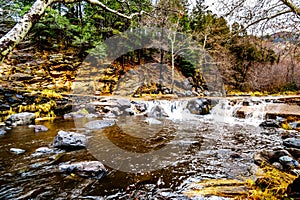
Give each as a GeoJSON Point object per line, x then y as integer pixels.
{"type": "Point", "coordinates": [109, 115]}
{"type": "Point", "coordinates": [295, 125]}
{"type": "Point", "coordinates": [116, 111]}
{"type": "Point", "coordinates": [198, 106]}
{"type": "Point", "coordinates": [277, 165]}
{"type": "Point", "coordinates": [288, 162]}
{"type": "Point", "coordinates": [99, 124]}
{"type": "Point", "coordinates": [270, 124]}
{"type": "Point", "coordinates": [129, 111]}
{"type": "Point", "coordinates": [123, 103]}
{"type": "Point", "coordinates": [94, 169]}
{"type": "Point", "coordinates": [4, 107]}
{"type": "Point", "coordinates": [269, 156]}
{"type": "Point", "coordinates": [77, 115]}
{"type": "Point", "coordinates": [2, 131]}
{"type": "Point", "coordinates": [24, 118]}
{"type": "Point", "coordinates": [292, 142]}
{"type": "Point", "coordinates": [39, 128]}
{"type": "Point", "coordinates": [67, 140]}
{"type": "Point", "coordinates": [44, 150]}
{"type": "Point", "coordinates": [139, 106]}
{"type": "Point", "coordinates": [294, 152]}
{"type": "Point", "coordinates": [17, 151]}
{"type": "Point", "coordinates": [157, 111]}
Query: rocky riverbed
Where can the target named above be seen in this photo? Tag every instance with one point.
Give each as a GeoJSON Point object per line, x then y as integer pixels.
{"type": "Point", "coordinates": [119, 149]}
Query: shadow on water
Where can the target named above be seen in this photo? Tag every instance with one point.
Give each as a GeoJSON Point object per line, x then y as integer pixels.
{"type": "Point", "coordinates": [212, 150]}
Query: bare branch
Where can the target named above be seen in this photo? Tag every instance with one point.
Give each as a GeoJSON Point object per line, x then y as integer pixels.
{"type": "Point", "coordinates": [292, 6]}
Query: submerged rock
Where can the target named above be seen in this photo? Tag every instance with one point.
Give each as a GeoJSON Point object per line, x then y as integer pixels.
{"type": "Point", "coordinates": [2, 131]}
{"type": "Point", "coordinates": [39, 128]}
{"type": "Point", "coordinates": [99, 124]}
{"type": "Point", "coordinates": [292, 142]}
{"type": "Point", "coordinates": [17, 151]}
{"type": "Point", "coordinates": [65, 139]}
{"type": "Point", "coordinates": [24, 118]}
{"type": "Point", "coordinates": [94, 169]}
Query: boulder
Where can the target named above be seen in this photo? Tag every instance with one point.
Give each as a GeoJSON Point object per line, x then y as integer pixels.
{"type": "Point", "coordinates": [198, 106]}
{"type": "Point", "coordinates": [24, 118]}
{"type": "Point", "coordinates": [65, 139]}
{"type": "Point", "coordinates": [99, 124]}
{"type": "Point", "coordinates": [292, 142]}
{"type": "Point", "coordinates": [94, 169]}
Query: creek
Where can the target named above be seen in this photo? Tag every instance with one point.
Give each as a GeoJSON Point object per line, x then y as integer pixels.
{"type": "Point", "coordinates": [156, 156]}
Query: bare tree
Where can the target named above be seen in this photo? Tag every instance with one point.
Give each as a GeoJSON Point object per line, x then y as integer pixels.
{"type": "Point", "coordinates": [262, 16]}
{"type": "Point", "coordinates": [22, 27]}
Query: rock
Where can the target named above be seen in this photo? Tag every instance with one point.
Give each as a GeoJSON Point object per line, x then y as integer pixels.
{"type": "Point", "coordinates": [292, 142]}
{"type": "Point", "coordinates": [123, 103]}
{"type": "Point", "coordinates": [198, 106]}
{"type": "Point", "coordinates": [129, 111]}
{"type": "Point", "coordinates": [294, 152]}
{"type": "Point", "coordinates": [2, 131]}
{"type": "Point", "coordinates": [65, 139]}
{"type": "Point", "coordinates": [294, 125]}
{"type": "Point", "coordinates": [139, 106]}
{"type": "Point", "coordinates": [17, 151]}
{"type": "Point", "coordinates": [116, 111]}
{"type": "Point", "coordinates": [4, 107]}
{"type": "Point", "coordinates": [277, 165]}
{"type": "Point", "coordinates": [157, 111]}
{"type": "Point", "coordinates": [270, 124]}
{"type": "Point", "coordinates": [44, 150]}
{"type": "Point", "coordinates": [94, 169]}
{"type": "Point", "coordinates": [269, 156]}
{"type": "Point", "coordinates": [24, 118]}
{"type": "Point", "coordinates": [288, 162]}
{"type": "Point", "coordinates": [39, 128]}
{"type": "Point", "coordinates": [99, 124]}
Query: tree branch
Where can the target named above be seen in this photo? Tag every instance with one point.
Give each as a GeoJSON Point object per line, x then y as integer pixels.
{"type": "Point", "coordinates": [292, 6]}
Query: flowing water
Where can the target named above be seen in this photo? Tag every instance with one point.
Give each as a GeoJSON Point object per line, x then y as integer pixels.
{"type": "Point", "coordinates": [146, 157]}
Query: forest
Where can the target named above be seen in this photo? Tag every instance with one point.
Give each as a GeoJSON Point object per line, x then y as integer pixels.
{"type": "Point", "coordinates": [250, 52]}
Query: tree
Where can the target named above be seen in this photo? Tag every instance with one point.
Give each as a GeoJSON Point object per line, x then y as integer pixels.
{"type": "Point", "coordinates": [262, 16]}
{"type": "Point", "coordinates": [21, 29]}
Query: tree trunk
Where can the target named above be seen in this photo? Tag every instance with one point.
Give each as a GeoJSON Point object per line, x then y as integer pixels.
{"type": "Point", "coordinates": [20, 30]}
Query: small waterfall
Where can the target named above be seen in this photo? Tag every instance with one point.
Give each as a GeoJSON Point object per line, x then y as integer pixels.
{"type": "Point", "coordinates": [224, 111]}
{"type": "Point", "coordinates": [174, 110]}
{"type": "Point", "coordinates": [234, 113]}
